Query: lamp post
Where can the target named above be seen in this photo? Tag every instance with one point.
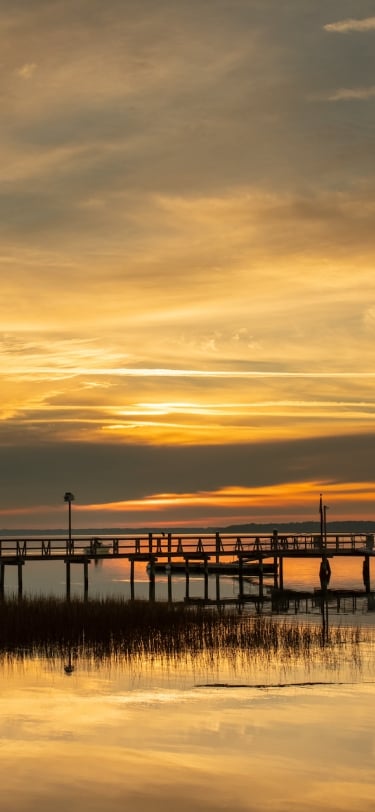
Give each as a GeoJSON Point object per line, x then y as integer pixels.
{"type": "Point", "coordinates": [69, 498]}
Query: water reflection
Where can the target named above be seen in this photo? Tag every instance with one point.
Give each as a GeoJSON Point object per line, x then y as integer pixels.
{"type": "Point", "coordinates": [138, 733]}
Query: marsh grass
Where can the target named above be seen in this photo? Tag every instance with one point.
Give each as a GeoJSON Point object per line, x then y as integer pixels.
{"type": "Point", "coordinates": [109, 627]}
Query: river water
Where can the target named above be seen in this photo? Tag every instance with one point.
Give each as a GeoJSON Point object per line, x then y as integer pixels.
{"type": "Point", "coordinates": [210, 731]}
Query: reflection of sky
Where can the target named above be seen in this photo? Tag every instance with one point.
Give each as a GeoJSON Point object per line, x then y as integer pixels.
{"type": "Point", "coordinates": [112, 578]}
{"type": "Point", "coordinates": [97, 741]}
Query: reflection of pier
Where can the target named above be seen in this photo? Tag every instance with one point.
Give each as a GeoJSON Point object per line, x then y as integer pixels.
{"type": "Point", "coordinates": [294, 602]}
{"type": "Point", "coordinates": [212, 550]}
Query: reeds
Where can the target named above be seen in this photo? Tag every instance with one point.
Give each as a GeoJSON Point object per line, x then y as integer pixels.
{"type": "Point", "coordinates": [109, 627]}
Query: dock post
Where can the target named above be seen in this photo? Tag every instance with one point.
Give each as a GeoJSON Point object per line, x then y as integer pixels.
{"type": "Point", "coordinates": [366, 574]}
{"type": "Point", "coordinates": [218, 587]}
{"type": "Point", "coordinates": [281, 572]}
{"type": "Point", "coordinates": [187, 578]}
{"type": "Point", "coordinates": [206, 579]}
{"type": "Point", "coordinates": [85, 579]}
{"type": "Point", "coordinates": [152, 579]}
{"type": "Point", "coordinates": [170, 586]}
{"type": "Point", "coordinates": [2, 579]}
{"type": "Point", "coordinates": [132, 579]}
{"type": "Point", "coordinates": [261, 577]}
{"type": "Point", "coordinates": [19, 566]}
{"type": "Point", "coordinates": [169, 540]}
{"type": "Point", "coordinates": [217, 546]}
{"type": "Point", "coordinates": [150, 543]}
{"type": "Point", "coordinates": [67, 565]}
{"type": "Point", "coordinates": [275, 579]}
{"type": "Point", "coordinates": [240, 576]}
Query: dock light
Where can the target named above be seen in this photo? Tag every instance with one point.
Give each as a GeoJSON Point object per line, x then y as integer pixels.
{"type": "Point", "coordinates": [69, 498]}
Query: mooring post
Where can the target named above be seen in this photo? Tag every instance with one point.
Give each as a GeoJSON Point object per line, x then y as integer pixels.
{"type": "Point", "coordinates": [366, 573]}
{"type": "Point", "coordinates": [218, 587]}
{"type": "Point", "coordinates": [240, 575]}
{"type": "Point", "coordinates": [187, 578]}
{"type": "Point", "coordinates": [281, 572]}
{"type": "Point", "coordinates": [169, 542]}
{"type": "Point", "coordinates": [85, 578]}
{"type": "Point", "coordinates": [217, 547]}
{"type": "Point", "coordinates": [169, 586]}
{"type": "Point", "coordinates": [206, 579]}
{"type": "Point", "coordinates": [2, 579]}
{"type": "Point", "coordinates": [260, 577]}
{"type": "Point", "coordinates": [67, 565]}
{"type": "Point", "coordinates": [150, 543]}
{"type": "Point", "coordinates": [152, 579]}
{"type": "Point", "coordinates": [20, 564]}
{"type": "Point", "coordinates": [132, 579]}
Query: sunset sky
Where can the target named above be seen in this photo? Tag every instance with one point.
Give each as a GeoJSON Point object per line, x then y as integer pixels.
{"type": "Point", "coordinates": [187, 261]}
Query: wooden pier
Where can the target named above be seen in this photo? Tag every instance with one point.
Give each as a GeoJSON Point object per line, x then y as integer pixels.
{"type": "Point", "coordinates": [210, 551]}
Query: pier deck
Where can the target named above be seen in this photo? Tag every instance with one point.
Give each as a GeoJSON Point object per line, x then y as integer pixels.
{"type": "Point", "coordinates": [213, 551]}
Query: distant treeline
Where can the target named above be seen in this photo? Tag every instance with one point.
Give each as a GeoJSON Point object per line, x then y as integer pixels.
{"type": "Point", "coordinates": [365, 526]}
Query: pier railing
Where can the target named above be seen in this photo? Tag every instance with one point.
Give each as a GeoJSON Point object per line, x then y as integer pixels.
{"type": "Point", "coordinates": [168, 545]}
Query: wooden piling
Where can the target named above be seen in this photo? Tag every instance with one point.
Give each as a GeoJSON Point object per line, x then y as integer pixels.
{"type": "Point", "coordinates": [67, 566]}
{"type": "Point", "coordinates": [260, 577]}
{"type": "Point", "coordinates": [86, 578]}
{"type": "Point", "coordinates": [132, 579]}
{"type": "Point", "coordinates": [187, 578]}
{"type": "Point", "coordinates": [151, 579]}
{"type": "Point", "coordinates": [240, 575]}
{"type": "Point", "coordinates": [206, 579]}
{"type": "Point", "coordinates": [19, 567]}
{"type": "Point", "coordinates": [170, 587]}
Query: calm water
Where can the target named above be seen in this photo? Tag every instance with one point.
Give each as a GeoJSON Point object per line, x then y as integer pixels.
{"type": "Point", "coordinates": [197, 734]}
{"type": "Point", "coordinates": [205, 732]}
{"type": "Point", "coordinates": [112, 578]}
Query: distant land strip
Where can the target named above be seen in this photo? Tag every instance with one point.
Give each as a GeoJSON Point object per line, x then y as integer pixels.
{"type": "Point", "coordinates": [364, 526]}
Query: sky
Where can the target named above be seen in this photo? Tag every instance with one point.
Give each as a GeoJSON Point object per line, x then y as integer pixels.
{"type": "Point", "coordinates": [187, 310]}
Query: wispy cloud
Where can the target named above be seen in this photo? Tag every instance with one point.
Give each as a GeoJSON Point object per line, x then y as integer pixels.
{"type": "Point", "coordinates": [27, 70]}
{"type": "Point", "coordinates": [346, 26]}
{"type": "Point", "coordinates": [353, 93]}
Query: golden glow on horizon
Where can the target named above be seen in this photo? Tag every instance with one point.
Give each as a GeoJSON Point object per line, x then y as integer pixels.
{"type": "Point", "coordinates": [173, 277]}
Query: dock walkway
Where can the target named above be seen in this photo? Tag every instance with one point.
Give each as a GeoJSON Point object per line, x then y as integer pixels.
{"type": "Point", "coordinates": [211, 550]}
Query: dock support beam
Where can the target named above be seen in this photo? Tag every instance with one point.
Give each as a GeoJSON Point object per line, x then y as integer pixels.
{"type": "Point", "coordinates": [187, 577]}
{"type": "Point", "coordinates": [85, 579]}
{"type": "Point", "coordinates": [261, 577]}
{"type": "Point", "coordinates": [281, 572]}
{"type": "Point", "coordinates": [20, 565]}
{"type": "Point", "coordinates": [152, 579]}
{"type": "Point", "coordinates": [240, 576]}
{"type": "Point", "coordinates": [132, 579]}
{"type": "Point", "coordinates": [206, 579]}
{"type": "Point", "coordinates": [67, 565]}
{"type": "Point", "coordinates": [367, 574]}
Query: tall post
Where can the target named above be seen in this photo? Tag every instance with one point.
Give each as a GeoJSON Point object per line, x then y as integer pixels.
{"type": "Point", "coordinates": [20, 563]}
{"type": "Point", "coordinates": [187, 578]}
{"type": "Point", "coordinates": [240, 576]}
{"type": "Point", "coordinates": [67, 565]}
{"type": "Point", "coordinates": [69, 498]}
{"type": "Point", "coordinates": [132, 579]}
{"type": "Point", "coordinates": [2, 579]}
{"type": "Point", "coordinates": [206, 578]}
{"type": "Point", "coordinates": [325, 524]}
{"type": "Point", "coordinates": [169, 541]}
{"type": "Point", "coordinates": [321, 515]}
{"type": "Point", "coordinates": [85, 578]}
